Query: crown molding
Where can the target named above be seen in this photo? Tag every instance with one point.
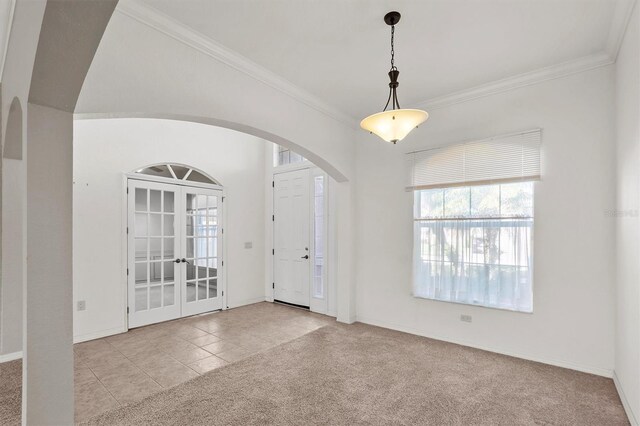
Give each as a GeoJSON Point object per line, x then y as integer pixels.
{"type": "Point", "coordinates": [521, 80]}
{"type": "Point", "coordinates": [155, 19]}
{"type": "Point", "coordinates": [619, 23]}
{"type": "Point", "coordinates": [621, 16]}
{"type": "Point", "coordinates": [158, 21]}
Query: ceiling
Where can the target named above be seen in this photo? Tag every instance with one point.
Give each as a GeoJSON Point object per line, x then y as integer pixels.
{"type": "Point", "coordinates": [338, 50]}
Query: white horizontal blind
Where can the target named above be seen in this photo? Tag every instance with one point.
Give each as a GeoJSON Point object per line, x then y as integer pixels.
{"type": "Point", "coordinates": [500, 159]}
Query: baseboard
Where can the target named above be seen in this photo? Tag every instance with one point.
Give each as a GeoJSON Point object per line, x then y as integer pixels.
{"type": "Point", "coordinates": [557, 363]}
{"type": "Point", "coordinates": [98, 334]}
{"type": "Point", "coordinates": [625, 402]}
{"type": "Point", "coordinates": [247, 302]}
{"type": "Point", "coordinates": [10, 357]}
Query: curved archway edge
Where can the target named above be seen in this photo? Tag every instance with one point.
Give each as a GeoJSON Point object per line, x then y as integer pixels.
{"type": "Point", "coordinates": [13, 134]}
{"type": "Point", "coordinates": [311, 156]}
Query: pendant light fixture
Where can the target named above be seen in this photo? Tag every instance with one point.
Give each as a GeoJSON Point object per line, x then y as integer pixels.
{"type": "Point", "coordinates": [395, 124]}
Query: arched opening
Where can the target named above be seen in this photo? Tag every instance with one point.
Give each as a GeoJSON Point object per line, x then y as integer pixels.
{"type": "Point", "coordinates": [316, 159]}
{"type": "Point", "coordinates": [164, 151]}
{"type": "Point", "coordinates": [13, 136]}
{"type": "Point", "coordinates": [13, 189]}
{"type": "Point", "coordinates": [177, 172]}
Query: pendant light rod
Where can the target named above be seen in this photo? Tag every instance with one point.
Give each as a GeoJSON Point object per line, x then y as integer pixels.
{"type": "Point", "coordinates": [393, 125]}
{"type": "Point", "coordinates": [391, 19]}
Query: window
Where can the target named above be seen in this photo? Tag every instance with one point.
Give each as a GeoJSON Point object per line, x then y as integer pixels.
{"type": "Point", "coordinates": [177, 172]}
{"type": "Point", "coordinates": [474, 244]}
{"type": "Point", "coordinates": [318, 240]}
{"type": "Point", "coordinates": [283, 156]}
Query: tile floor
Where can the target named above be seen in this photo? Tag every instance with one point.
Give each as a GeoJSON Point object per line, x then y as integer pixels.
{"type": "Point", "coordinates": [128, 367]}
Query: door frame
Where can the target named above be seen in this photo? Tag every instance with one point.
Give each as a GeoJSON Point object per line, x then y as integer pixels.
{"type": "Point", "coordinates": [320, 305]}
{"type": "Point", "coordinates": [124, 238]}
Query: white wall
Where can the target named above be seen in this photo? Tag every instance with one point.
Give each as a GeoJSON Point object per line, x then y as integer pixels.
{"type": "Point", "coordinates": [12, 256]}
{"type": "Point", "coordinates": [16, 79]}
{"type": "Point", "coordinates": [48, 352]}
{"type": "Point", "coordinates": [572, 322]}
{"type": "Point", "coordinates": [104, 150]}
{"type": "Point", "coordinates": [627, 335]}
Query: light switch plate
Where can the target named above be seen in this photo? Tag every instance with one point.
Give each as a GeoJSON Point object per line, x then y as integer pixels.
{"type": "Point", "coordinates": [248, 245]}
{"type": "Point", "coordinates": [82, 305]}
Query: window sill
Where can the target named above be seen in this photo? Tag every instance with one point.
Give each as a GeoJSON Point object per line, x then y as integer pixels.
{"type": "Point", "coordinates": [495, 308]}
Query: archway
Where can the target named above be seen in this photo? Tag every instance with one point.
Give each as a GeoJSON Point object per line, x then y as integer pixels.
{"type": "Point", "coordinates": [11, 284]}
{"type": "Point", "coordinates": [311, 156]}
{"type": "Point", "coordinates": [13, 137]}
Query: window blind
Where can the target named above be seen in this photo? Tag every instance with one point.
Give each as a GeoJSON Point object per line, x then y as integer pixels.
{"type": "Point", "coordinates": [499, 159]}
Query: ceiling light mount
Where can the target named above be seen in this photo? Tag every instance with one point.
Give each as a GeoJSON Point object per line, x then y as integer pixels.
{"type": "Point", "coordinates": [392, 18]}
{"type": "Point", "coordinates": [393, 125]}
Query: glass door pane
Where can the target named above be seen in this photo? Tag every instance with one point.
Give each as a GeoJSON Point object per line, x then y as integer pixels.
{"type": "Point", "coordinates": [152, 252]}
{"type": "Point", "coordinates": [202, 242]}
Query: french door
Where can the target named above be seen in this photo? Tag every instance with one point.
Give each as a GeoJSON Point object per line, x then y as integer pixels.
{"type": "Point", "coordinates": [292, 231]}
{"type": "Point", "coordinates": [174, 251]}
{"type": "Point", "coordinates": [201, 251]}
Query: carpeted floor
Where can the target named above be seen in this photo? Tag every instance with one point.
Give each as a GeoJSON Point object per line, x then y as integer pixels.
{"type": "Point", "coordinates": [10, 392]}
{"type": "Point", "coordinates": [368, 375]}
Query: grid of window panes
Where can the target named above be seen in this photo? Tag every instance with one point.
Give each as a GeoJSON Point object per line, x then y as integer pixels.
{"type": "Point", "coordinates": [284, 156]}
{"type": "Point", "coordinates": [154, 242]}
{"type": "Point", "coordinates": [202, 247]}
{"type": "Point", "coordinates": [474, 245]}
{"type": "Point", "coordinates": [318, 232]}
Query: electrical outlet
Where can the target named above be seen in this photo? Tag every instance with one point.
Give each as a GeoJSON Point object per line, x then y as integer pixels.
{"type": "Point", "coordinates": [465, 318]}
{"type": "Point", "coordinates": [248, 245]}
{"type": "Point", "coordinates": [82, 305]}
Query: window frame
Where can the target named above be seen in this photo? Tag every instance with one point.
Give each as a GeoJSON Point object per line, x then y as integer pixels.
{"type": "Point", "coordinates": [484, 221]}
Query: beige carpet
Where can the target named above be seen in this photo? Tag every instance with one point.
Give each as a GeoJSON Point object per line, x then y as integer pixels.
{"type": "Point", "coordinates": [367, 375]}
{"type": "Point", "coordinates": [10, 393]}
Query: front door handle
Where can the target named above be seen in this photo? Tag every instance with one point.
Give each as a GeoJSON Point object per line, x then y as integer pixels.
{"type": "Point", "coordinates": [177, 260]}
{"type": "Point", "coordinates": [306, 256]}
{"type": "Point", "coordinates": [185, 261]}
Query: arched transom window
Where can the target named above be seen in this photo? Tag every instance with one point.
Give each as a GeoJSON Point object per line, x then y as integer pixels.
{"type": "Point", "coordinates": [179, 172]}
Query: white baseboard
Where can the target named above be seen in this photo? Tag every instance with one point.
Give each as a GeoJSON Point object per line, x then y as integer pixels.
{"type": "Point", "coordinates": [10, 357]}
{"type": "Point", "coordinates": [98, 334]}
{"type": "Point", "coordinates": [247, 302]}
{"type": "Point", "coordinates": [625, 402]}
{"type": "Point", "coordinates": [598, 371]}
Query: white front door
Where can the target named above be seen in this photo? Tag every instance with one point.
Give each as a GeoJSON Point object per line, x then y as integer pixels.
{"type": "Point", "coordinates": [174, 250]}
{"type": "Point", "coordinates": [291, 206]}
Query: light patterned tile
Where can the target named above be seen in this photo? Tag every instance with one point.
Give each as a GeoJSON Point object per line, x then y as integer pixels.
{"type": "Point", "coordinates": [91, 399]}
{"type": "Point", "coordinates": [169, 372]}
{"type": "Point", "coordinates": [220, 346]}
{"type": "Point", "coordinates": [233, 355]}
{"type": "Point", "coordinates": [208, 364]}
{"type": "Point", "coordinates": [130, 387]}
{"type": "Point", "coordinates": [205, 340]}
{"type": "Point", "coordinates": [189, 355]}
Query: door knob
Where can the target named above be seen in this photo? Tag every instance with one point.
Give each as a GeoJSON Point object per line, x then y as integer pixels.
{"type": "Point", "coordinates": [306, 256]}
{"type": "Point", "coordinates": [177, 261]}
{"type": "Point", "coordinates": [185, 261]}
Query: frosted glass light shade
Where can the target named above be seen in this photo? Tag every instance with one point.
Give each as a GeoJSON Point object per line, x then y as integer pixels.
{"type": "Point", "coordinates": [394, 125]}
